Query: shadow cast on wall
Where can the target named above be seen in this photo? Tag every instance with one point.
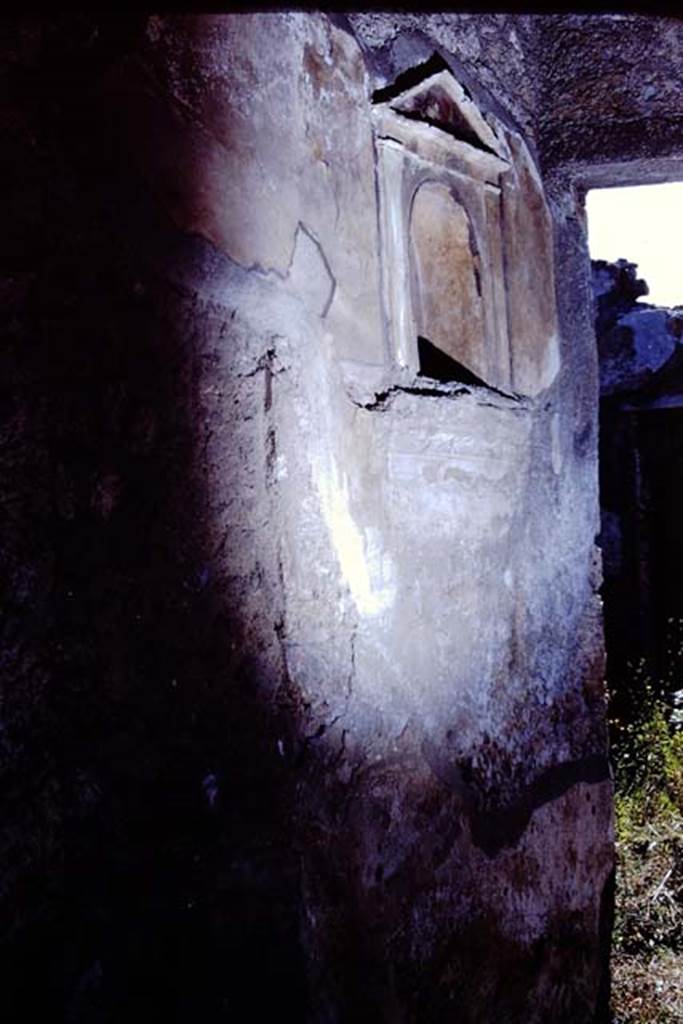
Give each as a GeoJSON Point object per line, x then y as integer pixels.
{"type": "Point", "coordinates": [148, 807]}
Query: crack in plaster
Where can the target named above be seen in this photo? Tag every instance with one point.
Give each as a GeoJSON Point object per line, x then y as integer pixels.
{"type": "Point", "coordinates": [352, 668]}
{"type": "Point", "coordinates": [384, 399]}
{"type": "Point", "coordinates": [302, 228]}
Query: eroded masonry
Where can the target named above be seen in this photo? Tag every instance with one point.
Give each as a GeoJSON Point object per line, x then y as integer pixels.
{"type": "Point", "coordinates": [304, 709]}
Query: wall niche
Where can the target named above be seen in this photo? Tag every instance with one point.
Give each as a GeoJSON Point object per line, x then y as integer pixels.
{"type": "Point", "coordinates": [467, 250]}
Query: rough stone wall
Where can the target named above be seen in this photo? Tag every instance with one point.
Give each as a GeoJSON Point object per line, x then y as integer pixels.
{"type": "Point", "coordinates": [146, 865]}
{"type": "Point", "coordinates": [610, 87]}
{"type": "Point", "coordinates": [304, 703]}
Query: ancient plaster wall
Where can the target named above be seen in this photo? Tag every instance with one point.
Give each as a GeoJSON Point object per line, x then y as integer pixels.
{"type": "Point", "coordinates": [315, 666]}
{"type": "Point", "coordinates": [434, 574]}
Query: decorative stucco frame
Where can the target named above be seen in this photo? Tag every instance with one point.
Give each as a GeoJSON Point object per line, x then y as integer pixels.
{"type": "Point", "coordinates": [434, 132]}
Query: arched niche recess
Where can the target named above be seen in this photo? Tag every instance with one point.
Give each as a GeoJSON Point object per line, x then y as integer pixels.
{"type": "Point", "coordinates": [467, 247]}
{"type": "Point", "coordinates": [446, 278]}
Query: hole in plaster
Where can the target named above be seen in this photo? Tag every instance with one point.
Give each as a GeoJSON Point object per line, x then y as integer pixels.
{"type": "Point", "coordinates": [439, 366]}
{"type": "Point", "coordinates": [413, 76]}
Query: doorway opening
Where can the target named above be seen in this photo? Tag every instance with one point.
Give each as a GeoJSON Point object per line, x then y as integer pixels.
{"type": "Point", "coordinates": [638, 305]}
{"type": "Point", "coordinates": [638, 294]}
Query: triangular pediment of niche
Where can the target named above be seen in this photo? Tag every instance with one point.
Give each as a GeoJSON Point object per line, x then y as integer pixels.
{"type": "Point", "coordinates": [441, 102]}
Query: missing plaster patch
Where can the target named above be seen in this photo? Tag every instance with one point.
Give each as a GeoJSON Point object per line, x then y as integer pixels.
{"type": "Point", "coordinates": [438, 365]}
{"type": "Point", "coordinates": [410, 78]}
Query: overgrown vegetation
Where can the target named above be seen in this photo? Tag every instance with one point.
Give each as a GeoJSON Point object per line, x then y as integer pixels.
{"type": "Point", "coordinates": [647, 951]}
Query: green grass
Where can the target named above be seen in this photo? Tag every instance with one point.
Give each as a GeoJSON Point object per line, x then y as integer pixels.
{"type": "Point", "coordinates": [647, 951]}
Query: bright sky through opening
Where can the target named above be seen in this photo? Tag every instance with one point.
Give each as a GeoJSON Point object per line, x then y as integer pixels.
{"type": "Point", "coordinates": [642, 224]}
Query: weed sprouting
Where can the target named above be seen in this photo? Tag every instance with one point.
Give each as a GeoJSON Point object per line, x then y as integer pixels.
{"type": "Point", "coordinates": [647, 755]}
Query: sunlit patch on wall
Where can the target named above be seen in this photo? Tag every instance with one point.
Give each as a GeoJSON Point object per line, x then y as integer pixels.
{"type": "Point", "coordinates": [366, 570]}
